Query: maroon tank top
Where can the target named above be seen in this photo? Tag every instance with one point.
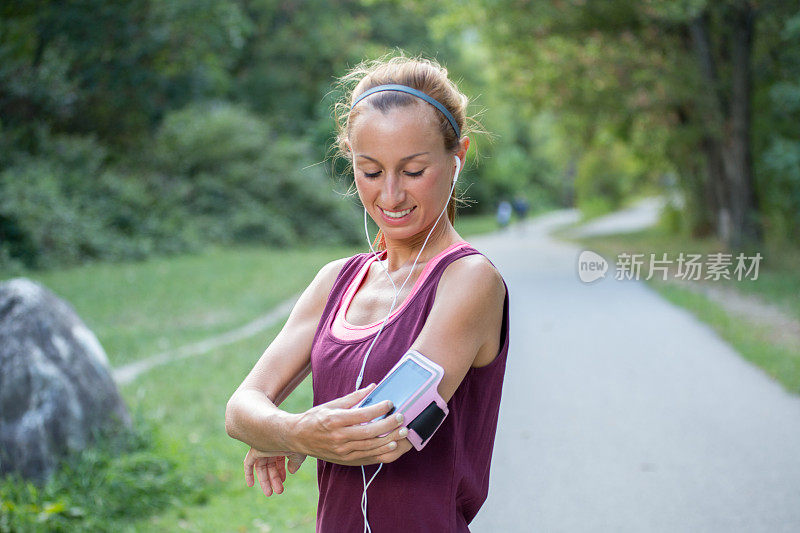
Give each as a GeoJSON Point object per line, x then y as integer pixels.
{"type": "Point", "coordinates": [440, 488]}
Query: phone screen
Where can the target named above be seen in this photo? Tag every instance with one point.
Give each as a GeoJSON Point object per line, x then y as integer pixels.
{"type": "Point", "coordinates": [398, 386]}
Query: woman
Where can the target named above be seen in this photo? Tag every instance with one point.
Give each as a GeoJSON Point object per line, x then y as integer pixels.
{"type": "Point", "coordinates": [400, 126]}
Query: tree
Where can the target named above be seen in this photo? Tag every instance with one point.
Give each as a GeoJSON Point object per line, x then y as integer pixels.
{"type": "Point", "coordinates": [680, 70]}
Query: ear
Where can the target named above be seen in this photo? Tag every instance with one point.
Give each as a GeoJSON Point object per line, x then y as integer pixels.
{"type": "Point", "coordinates": [461, 153]}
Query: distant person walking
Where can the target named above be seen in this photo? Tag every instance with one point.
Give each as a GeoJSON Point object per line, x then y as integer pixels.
{"type": "Point", "coordinates": [521, 207]}
{"type": "Point", "coordinates": [504, 211]}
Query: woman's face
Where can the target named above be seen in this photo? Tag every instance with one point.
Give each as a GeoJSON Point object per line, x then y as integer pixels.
{"type": "Point", "coordinates": [402, 171]}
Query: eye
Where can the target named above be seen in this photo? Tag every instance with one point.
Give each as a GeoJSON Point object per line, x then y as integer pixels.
{"type": "Point", "coordinates": [372, 174]}
{"type": "Point", "coordinates": [415, 174]}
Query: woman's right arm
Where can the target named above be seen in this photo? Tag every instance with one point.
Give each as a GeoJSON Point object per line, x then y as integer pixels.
{"type": "Point", "coordinates": [252, 415]}
{"type": "Point", "coordinates": [333, 431]}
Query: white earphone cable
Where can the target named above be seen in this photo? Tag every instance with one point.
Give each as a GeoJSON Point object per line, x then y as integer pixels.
{"type": "Point", "coordinates": [366, 484]}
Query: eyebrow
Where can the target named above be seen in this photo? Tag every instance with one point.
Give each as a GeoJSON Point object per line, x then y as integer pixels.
{"type": "Point", "coordinates": [401, 159]}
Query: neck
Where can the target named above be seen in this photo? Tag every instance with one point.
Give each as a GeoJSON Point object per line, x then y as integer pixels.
{"type": "Point", "coordinates": [402, 253]}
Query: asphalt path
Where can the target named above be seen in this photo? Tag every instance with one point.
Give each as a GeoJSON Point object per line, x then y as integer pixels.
{"type": "Point", "coordinates": [640, 215]}
{"type": "Point", "coordinates": [622, 412]}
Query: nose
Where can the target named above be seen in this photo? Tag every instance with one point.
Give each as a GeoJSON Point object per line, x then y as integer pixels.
{"type": "Point", "coordinates": [392, 192]}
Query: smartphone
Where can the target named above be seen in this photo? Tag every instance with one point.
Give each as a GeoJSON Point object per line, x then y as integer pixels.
{"type": "Point", "coordinates": [408, 380]}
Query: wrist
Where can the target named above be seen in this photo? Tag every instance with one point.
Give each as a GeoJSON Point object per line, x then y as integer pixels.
{"type": "Point", "coordinates": [288, 423]}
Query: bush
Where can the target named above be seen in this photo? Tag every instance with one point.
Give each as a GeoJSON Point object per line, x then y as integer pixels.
{"type": "Point", "coordinates": [206, 137]}
{"type": "Point", "coordinates": [41, 225]}
{"type": "Point", "coordinates": [244, 183]}
{"type": "Point", "coordinates": [218, 174]}
{"type": "Point", "coordinates": [123, 477]}
{"type": "Point", "coordinates": [52, 214]}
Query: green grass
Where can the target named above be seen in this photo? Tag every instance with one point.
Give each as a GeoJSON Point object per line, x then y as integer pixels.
{"type": "Point", "coordinates": [189, 397]}
{"type": "Point", "coordinates": [137, 309]}
{"type": "Point", "coordinates": [121, 477]}
{"type": "Point", "coordinates": [475, 225]}
{"type": "Point", "coordinates": [778, 283]}
{"type": "Point", "coordinates": [135, 306]}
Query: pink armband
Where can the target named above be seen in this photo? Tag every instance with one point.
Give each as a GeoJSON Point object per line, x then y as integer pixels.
{"type": "Point", "coordinates": [412, 386]}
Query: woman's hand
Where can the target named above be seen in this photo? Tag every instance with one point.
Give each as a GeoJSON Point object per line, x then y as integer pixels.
{"type": "Point", "coordinates": [270, 468]}
{"type": "Point", "coordinates": [338, 433]}
{"type": "Point", "coordinates": [403, 445]}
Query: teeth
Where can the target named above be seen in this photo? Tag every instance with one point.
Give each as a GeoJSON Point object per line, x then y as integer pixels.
{"type": "Point", "coordinates": [396, 214]}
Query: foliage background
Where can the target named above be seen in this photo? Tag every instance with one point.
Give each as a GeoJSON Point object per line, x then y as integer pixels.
{"type": "Point", "coordinates": [161, 127]}
{"type": "Point", "coordinates": [144, 129]}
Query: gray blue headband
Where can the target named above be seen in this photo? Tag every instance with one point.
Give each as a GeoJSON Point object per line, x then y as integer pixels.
{"type": "Point", "coordinates": [419, 94]}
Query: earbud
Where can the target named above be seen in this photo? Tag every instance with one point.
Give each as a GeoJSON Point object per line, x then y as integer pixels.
{"type": "Point", "coordinates": [458, 168]}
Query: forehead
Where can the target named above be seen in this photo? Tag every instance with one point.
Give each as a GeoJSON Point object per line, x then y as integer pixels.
{"type": "Point", "coordinates": [403, 130]}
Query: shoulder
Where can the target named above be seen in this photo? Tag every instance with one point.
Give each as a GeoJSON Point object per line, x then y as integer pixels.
{"type": "Point", "coordinates": [329, 272]}
{"type": "Point", "coordinates": [326, 277]}
{"type": "Point", "coordinates": [316, 294]}
{"type": "Point", "coordinates": [470, 297]}
{"type": "Point", "coordinates": [472, 278]}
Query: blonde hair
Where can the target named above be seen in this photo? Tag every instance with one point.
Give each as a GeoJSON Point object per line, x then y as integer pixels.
{"type": "Point", "coordinates": [425, 75]}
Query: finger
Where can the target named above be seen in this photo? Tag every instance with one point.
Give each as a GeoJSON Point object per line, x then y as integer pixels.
{"type": "Point", "coordinates": [403, 445]}
{"type": "Point", "coordinates": [375, 429]}
{"type": "Point", "coordinates": [248, 470]}
{"type": "Point", "coordinates": [375, 453]}
{"type": "Point", "coordinates": [371, 446]}
{"type": "Point", "coordinates": [275, 478]}
{"type": "Point", "coordinates": [280, 462]}
{"type": "Point", "coordinates": [360, 415]}
{"type": "Point", "coordinates": [295, 461]}
{"type": "Point", "coordinates": [263, 477]}
{"type": "Point", "coordinates": [348, 401]}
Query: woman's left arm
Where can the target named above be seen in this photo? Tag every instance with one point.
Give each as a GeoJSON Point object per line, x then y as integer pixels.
{"type": "Point", "coordinates": [464, 321]}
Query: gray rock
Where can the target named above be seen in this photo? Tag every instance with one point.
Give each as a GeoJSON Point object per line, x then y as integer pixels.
{"type": "Point", "coordinates": [56, 389]}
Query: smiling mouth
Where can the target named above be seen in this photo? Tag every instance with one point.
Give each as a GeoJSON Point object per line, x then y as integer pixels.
{"type": "Point", "coordinates": [397, 214]}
